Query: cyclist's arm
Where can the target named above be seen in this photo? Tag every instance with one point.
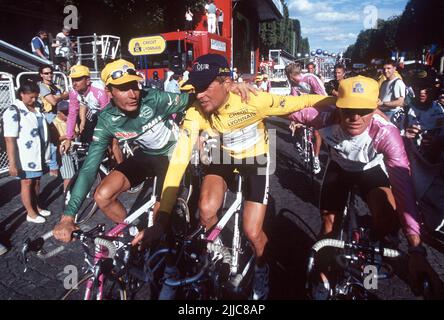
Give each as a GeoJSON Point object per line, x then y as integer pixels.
{"type": "Point", "coordinates": [275, 105]}
{"type": "Point", "coordinates": [189, 133]}
{"type": "Point", "coordinates": [314, 117]}
{"type": "Point", "coordinates": [73, 111]}
{"type": "Point", "coordinates": [390, 144]}
{"type": "Point", "coordinates": [101, 139]}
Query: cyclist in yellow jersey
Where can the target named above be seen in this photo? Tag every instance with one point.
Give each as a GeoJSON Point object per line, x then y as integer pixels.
{"type": "Point", "coordinates": [244, 138]}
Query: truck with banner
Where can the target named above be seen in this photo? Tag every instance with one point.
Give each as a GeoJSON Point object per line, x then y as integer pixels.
{"type": "Point", "coordinates": [175, 51]}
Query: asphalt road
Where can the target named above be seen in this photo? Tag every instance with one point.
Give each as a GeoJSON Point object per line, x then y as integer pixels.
{"type": "Point", "coordinates": [291, 224]}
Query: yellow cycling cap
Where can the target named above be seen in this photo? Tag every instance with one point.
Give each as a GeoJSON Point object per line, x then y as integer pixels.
{"type": "Point", "coordinates": [358, 93]}
{"type": "Point", "coordinates": [120, 72]}
{"type": "Point", "coordinates": [78, 71]}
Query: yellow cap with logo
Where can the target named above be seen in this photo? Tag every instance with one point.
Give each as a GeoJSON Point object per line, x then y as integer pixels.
{"type": "Point", "coordinates": [78, 71]}
{"type": "Point", "coordinates": [120, 72]}
{"type": "Point", "coordinates": [358, 93]}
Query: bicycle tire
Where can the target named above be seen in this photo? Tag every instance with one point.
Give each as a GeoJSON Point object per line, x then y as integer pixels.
{"type": "Point", "coordinates": [89, 206]}
{"type": "Point", "coordinates": [78, 293]}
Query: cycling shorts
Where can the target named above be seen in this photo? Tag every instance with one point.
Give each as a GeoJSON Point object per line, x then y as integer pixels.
{"type": "Point", "coordinates": [255, 172]}
{"type": "Point", "coordinates": [141, 166]}
{"type": "Point", "coordinates": [338, 182]}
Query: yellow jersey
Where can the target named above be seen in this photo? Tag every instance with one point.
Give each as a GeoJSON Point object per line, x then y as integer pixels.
{"type": "Point", "coordinates": [241, 125]}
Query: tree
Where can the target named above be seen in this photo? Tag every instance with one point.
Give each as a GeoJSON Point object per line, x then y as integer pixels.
{"type": "Point", "coordinates": [283, 34]}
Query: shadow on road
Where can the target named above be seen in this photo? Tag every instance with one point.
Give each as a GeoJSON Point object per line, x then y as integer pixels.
{"type": "Point", "coordinates": [8, 191]}
{"type": "Point", "coordinates": [288, 248]}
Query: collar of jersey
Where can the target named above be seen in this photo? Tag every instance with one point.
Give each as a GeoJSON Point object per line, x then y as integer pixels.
{"type": "Point", "coordinates": [114, 110]}
{"type": "Point", "coordinates": [233, 100]}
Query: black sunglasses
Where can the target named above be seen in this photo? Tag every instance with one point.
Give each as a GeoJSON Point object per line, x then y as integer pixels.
{"type": "Point", "coordinates": [359, 112]}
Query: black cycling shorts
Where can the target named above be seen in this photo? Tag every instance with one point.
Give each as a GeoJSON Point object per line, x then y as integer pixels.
{"type": "Point", "coordinates": [141, 166]}
{"type": "Point", "coordinates": [255, 172]}
{"type": "Point", "coordinates": [338, 182]}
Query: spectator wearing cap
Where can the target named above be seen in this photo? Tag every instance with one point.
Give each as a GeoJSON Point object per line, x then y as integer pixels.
{"type": "Point", "coordinates": [258, 83]}
{"type": "Point", "coordinates": [265, 85]}
{"type": "Point", "coordinates": [155, 82]}
{"type": "Point", "coordinates": [39, 46]}
{"type": "Point", "coordinates": [86, 100]}
{"type": "Point", "coordinates": [27, 146]}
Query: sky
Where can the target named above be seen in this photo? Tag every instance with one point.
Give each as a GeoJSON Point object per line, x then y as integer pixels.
{"type": "Point", "coordinates": [333, 25]}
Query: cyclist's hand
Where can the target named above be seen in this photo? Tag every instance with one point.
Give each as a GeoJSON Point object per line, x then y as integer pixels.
{"type": "Point", "coordinates": [419, 270]}
{"type": "Point", "coordinates": [65, 146]}
{"type": "Point", "coordinates": [155, 232]}
{"type": "Point", "coordinates": [243, 89]}
{"type": "Point", "coordinates": [294, 126]}
{"type": "Point", "coordinates": [63, 230]}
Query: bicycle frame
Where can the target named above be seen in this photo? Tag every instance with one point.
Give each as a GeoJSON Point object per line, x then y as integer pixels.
{"type": "Point", "coordinates": [308, 148]}
{"type": "Point", "coordinates": [235, 209]}
{"type": "Point", "coordinates": [101, 254]}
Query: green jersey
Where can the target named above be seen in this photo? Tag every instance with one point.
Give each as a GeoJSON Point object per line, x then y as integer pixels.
{"type": "Point", "coordinates": [152, 128]}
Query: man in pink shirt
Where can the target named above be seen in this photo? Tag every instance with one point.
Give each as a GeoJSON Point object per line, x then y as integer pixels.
{"type": "Point", "coordinates": [301, 84]}
{"type": "Point", "coordinates": [86, 99]}
{"type": "Point", "coordinates": [367, 151]}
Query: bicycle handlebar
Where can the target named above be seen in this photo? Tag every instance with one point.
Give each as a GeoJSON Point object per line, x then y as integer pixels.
{"type": "Point", "coordinates": [188, 280]}
{"type": "Point", "coordinates": [334, 243]}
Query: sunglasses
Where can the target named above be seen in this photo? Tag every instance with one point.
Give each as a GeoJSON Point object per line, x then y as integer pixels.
{"type": "Point", "coordinates": [359, 112]}
{"type": "Point", "coordinates": [46, 73]}
{"type": "Point", "coordinates": [120, 73]}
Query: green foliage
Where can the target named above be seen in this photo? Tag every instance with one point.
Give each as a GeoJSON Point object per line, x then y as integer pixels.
{"type": "Point", "coordinates": [283, 34]}
{"type": "Point", "coordinates": [419, 26]}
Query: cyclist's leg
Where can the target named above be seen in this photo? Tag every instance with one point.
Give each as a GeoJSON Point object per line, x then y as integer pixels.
{"type": "Point", "coordinates": [317, 143]}
{"type": "Point", "coordinates": [211, 198]}
{"type": "Point", "coordinates": [375, 187]}
{"type": "Point", "coordinates": [334, 192]}
{"type": "Point", "coordinates": [128, 174]}
{"type": "Point", "coordinates": [255, 206]}
{"type": "Point", "coordinates": [253, 220]}
{"type": "Point", "coordinates": [108, 191]}
{"type": "Point", "coordinates": [256, 199]}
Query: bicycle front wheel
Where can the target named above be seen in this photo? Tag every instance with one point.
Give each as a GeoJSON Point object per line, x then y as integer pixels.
{"type": "Point", "coordinates": [113, 289]}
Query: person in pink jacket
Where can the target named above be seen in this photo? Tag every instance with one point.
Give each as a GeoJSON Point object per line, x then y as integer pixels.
{"type": "Point", "coordinates": [367, 151]}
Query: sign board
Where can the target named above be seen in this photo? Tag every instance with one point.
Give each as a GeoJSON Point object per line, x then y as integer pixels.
{"type": "Point", "coordinates": [147, 45]}
{"type": "Point", "coordinates": [218, 45]}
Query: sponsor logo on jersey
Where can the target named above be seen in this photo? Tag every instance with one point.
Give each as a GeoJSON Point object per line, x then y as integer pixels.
{"type": "Point", "coordinates": [125, 135]}
{"type": "Point", "coordinates": [147, 113]}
